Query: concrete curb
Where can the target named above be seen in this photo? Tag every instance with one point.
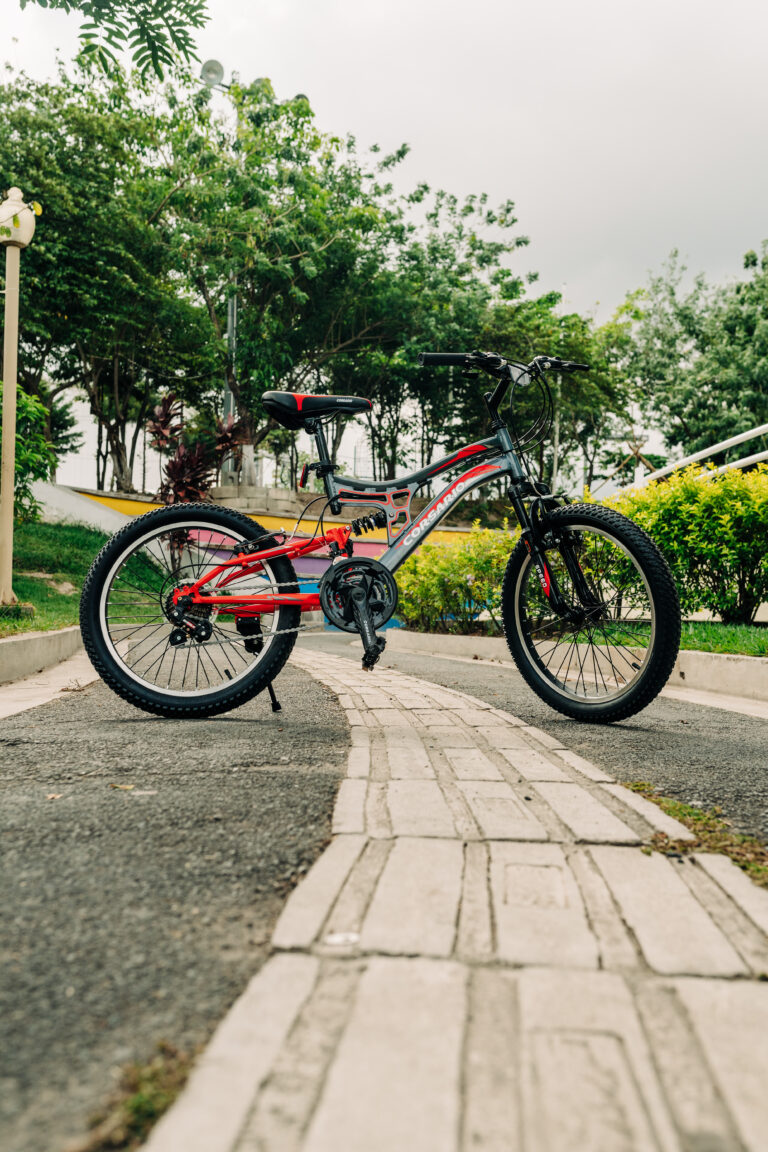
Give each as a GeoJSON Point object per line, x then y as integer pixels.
{"type": "Point", "coordinates": [745, 676]}
{"type": "Point", "coordinates": [31, 652]}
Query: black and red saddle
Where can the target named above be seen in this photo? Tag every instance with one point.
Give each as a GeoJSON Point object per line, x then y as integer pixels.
{"type": "Point", "coordinates": [293, 409]}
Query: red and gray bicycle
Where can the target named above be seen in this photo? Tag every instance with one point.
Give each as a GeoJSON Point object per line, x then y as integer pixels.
{"type": "Point", "coordinates": [194, 609]}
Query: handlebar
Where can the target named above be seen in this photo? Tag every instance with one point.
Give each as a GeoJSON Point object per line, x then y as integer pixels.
{"type": "Point", "coordinates": [490, 362]}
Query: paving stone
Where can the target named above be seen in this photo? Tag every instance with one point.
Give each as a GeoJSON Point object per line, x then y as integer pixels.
{"type": "Point", "coordinates": [285, 1103]}
{"type": "Point", "coordinates": [589, 1083]}
{"type": "Point", "coordinates": [752, 900]}
{"type": "Point", "coordinates": [390, 717]}
{"type": "Point", "coordinates": [418, 808]}
{"type": "Point", "coordinates": [309, 904]}
{"type": "Point", "coordinates": [541, 737]}
{"type": "Point", "coordinates": [500, 813]}
{"type": "Point", "coordinates": [676, 935]}
{"type": "Point", "coordinates": [587, 818]}
{"type": "Point", "coordinates": [651, 813]}
{"type": "Point", "coordinates": [408, 760]}
{"type": "Point", "coordinates": [360, 737]}
{"type": "Point", "coordinates": [586, 767]}
{"type": "Point", "coordinates": [491, 1120]}
{"type": "Point", "coordinates": [471, 764]}
{"type": "Point", "coordinates": [473, 717]}
{"type": "Point", "coordinates": [452, 736]}
{"type": "Point", "coordinates": [746, 938]}
{"type": "Point", "coordinates": [475, 936]}
{"type": "Point", "coordinates": [237, 1059]}
{"type": "Point", "coordinates": [409, 699]}
{"type": "Point", "coordinates": [349, 809]}
{"type": "Point", "coordinates": [617, 951]}
{"type": "Point", "coordinates": [538, 910]}
{"type": "Point", "coordinates": [359, 762]}
{"type": "Point", "coordinates": [731, 1020]}
{"type": "Point", "coordinates": [691, 1092]}
{"type": "Point", "coordinates": [345, 923]}
{"type": "Point", "coordinates": [533, 766]}
{"type": "Point", "coordinates": [374, 699]}
{"type": "Point", "coordinates": [506, 717]}
{"type": "Point", "coordinates": [377, 819]}
{"type": "Point", "coordinates": [504, 736]}
{"type": "Point", "coordinates": [354, 718]}
{"type": "Point", "coordinates": [395, 1082]}
{"type": "Point", "coordinates": [433, 717]}
{"type": "Point", "coordinates": [447, 699]}
{"type": "Point", "coordinates": [415, 906]}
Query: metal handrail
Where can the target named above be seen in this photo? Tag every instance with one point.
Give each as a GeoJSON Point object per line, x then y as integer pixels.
{"type": "Point", "coordinates": [762, 430]}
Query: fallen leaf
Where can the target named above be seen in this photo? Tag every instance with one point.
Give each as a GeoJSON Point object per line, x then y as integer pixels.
{"type": "Point", "coordinates": [54, 796]}
{"type": "Point", "coordinates": [123, 787]}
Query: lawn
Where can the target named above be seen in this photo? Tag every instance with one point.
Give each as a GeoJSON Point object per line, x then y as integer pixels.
{"type": "Point", "coordinates": [50, 563]}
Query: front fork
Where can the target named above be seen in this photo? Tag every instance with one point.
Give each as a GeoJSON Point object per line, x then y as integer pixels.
{"type": "Point", "coordinates": [533, 538]}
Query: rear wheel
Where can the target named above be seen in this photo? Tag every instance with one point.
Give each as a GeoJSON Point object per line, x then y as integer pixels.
{"type": "Point", "coordinates": [139, 650]}
{"type": "Point", "coordinates": [617, 650]}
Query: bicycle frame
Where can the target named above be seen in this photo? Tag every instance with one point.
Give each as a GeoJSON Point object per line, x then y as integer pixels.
{"type": "Point", "coordinates": [404, 533]}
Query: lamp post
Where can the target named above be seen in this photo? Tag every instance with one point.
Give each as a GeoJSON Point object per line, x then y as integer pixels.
{"type": "Point", "coordinates": [17, 227]}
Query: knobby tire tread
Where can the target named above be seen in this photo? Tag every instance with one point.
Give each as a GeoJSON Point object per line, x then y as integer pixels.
{"type": "Point", "coordinates": [666, 601]}
{"type": "Point", "coordinates": [267, 670]}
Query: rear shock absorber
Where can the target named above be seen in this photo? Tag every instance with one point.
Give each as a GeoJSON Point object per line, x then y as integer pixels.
{"type": "Point", "coordinates": [369, 523]}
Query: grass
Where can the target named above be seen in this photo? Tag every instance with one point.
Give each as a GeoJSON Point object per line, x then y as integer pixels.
{"type": "Point", "coordinates": [144, 1093]}
{"type": "Point", "coordinates": [60, 556]}
{"type": "Point", "coordinates": [713, 834]}
{"type": "Point", "coordinates": [710, 636]}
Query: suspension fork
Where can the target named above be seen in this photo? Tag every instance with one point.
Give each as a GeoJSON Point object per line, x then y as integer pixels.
{"type": "Point", "coordinates": [533, 539]}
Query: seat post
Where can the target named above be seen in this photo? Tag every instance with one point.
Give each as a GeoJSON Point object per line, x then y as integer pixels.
{"type": "Point", "coordinates": [325, 466]}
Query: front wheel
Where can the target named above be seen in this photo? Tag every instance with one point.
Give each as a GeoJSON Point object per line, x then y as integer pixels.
{"type": "Point", "coordinates": [127, 605]}
{"type": "Point", "coordinates": [614, 649]}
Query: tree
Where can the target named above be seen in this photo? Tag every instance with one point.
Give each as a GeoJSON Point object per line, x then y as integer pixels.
{"type": "Point", "coordinates": [700, 356]}
{"type": "Point", "coordinates": [103, 309]}
{"type": "Point", "coordinates": [155, 31]}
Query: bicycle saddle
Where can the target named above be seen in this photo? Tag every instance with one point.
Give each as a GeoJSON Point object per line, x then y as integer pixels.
{"type": "Point", "coordinates": [292, 409]}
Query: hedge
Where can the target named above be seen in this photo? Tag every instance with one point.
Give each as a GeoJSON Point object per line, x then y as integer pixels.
{"type": "Point", "coordinates": [446, 587]}
{"type": "Point", "coordinates": [713, 532]}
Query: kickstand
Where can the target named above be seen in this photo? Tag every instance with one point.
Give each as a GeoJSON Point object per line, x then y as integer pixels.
{"type": "Point", "coordinates": [275, 703]}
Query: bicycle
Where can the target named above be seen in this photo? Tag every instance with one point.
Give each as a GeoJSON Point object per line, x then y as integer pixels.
{"type": "Point", "coordinates": [193, 609]}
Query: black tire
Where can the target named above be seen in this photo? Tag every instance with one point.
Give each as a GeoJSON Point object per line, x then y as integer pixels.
{"type": "Point", "coordinates": [126, 593]}
{"type": "Point", "coordinates": [627, 643]}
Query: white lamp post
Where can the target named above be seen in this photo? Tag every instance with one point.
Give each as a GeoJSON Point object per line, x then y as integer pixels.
{"type": "Point", "coordinates": [17, 227]}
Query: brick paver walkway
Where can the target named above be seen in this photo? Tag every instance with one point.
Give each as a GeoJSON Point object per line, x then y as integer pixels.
{"type": "Point", "coordinates": [486, 958]}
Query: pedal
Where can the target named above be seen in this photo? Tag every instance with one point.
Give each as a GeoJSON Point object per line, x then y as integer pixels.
{"type": "Point", "coordinates": [372, 655]}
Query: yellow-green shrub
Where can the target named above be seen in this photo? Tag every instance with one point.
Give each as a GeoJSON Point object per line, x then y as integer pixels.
{"type": "Point", "coordinates": [714, 534]}
{"type": "Point", "coordinates": [445, 587]}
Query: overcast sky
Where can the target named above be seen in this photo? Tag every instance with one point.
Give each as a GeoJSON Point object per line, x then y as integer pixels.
{"type": "Point", "coordinates": [620, 130]}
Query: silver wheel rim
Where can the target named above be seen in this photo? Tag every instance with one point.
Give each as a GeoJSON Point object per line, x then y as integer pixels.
{"type": "Point", "coordinates": [137, 631]}
{"type": "Point", "coordinates": [606, 658]}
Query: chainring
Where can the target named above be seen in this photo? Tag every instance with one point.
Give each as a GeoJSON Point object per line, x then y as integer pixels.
{"type": "Point", "coordinates": [341, 577]}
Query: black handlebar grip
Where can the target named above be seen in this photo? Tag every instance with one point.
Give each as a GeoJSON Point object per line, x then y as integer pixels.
{"type": "Point", "coordinates": [437, 359]}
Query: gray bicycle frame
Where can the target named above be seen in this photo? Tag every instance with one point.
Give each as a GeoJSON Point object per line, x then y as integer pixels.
{"type": "Point", "coordinates": [498, 459]}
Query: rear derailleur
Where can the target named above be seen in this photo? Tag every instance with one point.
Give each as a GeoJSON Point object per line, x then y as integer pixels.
{"type": "Point", "coordinates": [360, 595]}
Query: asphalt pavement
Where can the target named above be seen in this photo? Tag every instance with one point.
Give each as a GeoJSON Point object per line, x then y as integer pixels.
{"type": "Point", "coordinates": [700, 755]}
{"type": "Point", "coordinates": [144, 863]}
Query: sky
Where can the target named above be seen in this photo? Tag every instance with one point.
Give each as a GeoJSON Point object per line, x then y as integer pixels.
{"type": "Point", "coordinates": [621, 130]}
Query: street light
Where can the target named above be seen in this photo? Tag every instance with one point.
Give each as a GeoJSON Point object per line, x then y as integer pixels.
{"type": "Point", "coordinates": [17, 227]}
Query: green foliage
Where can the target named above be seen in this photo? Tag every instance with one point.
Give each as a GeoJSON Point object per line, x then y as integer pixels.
{"type": "Point", "coordinates": [713, 533]}
{"type": "Point", "coordinates": [59, 553]}
{"type": "Point", "coordinates": [34, 454]}
{"type": "Point", "coordinates": [700, 355]}
{"type": "Point", "coordinates": [446, 587]}
{"type": "Point", "coordinates": [156, 32]}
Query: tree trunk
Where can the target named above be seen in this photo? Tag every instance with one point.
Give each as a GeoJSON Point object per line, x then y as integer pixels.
{"type": "Point", "coordinates": [121, 469]}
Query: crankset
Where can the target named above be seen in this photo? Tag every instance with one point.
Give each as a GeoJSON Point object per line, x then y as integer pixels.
{"type": "Point", "coordinates": [360, 595]}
